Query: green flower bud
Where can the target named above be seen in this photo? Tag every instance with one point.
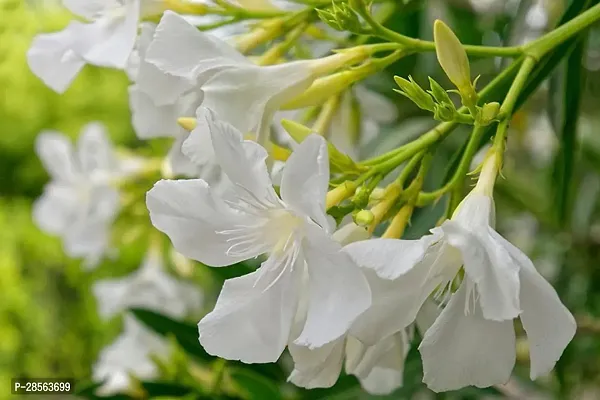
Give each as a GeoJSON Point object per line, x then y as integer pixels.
{"type": "Point", "coordinates": [415, 93]}
{"type": "Point", "coordinates": [488, 113]}
{"type": "Point", "coordinates": [341, 18]}
{"type": "Point", "coordinates": [364, 218]}
{"type": "Point", "coordinates": [451, 55]}
{"type": "Point", "coordinates": [329, 19]}
{"type": "Point", "coordinates": [439, 93]}
{"type": "Point", "coordinates": [444, 113]}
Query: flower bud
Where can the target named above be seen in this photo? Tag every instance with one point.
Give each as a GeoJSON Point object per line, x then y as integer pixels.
{"type": "Point", "coordinates": [415, 93]}
{"type": "Point", "coordinates": [444, 112]}
{"type": "Point", "coordinates": [329, 19]}
{"type": "Point", "coordinates": [364, 218]}
{"type": "Point", "coordinates": [451, 56]}
{"type": "Point", "coordinates": [187, 123]}
{"type": "Point", "coordinates": [488, 113]}
{"type": "Point", "coordinates": [439, 93]}
{"type": "Point", "coordinates": [338, 161]}
{"type": "Point", "coordinates": [339, 194]}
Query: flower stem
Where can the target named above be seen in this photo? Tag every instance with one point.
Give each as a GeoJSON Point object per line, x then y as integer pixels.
{"type": "Point", "coordinates": [422, 45]}
{"type": "Point", "coordinates": [538, 48]}
{"type": "Point", "coordinates": [510, 100]}
{"type": "Point", "coordinates": [461, 170]}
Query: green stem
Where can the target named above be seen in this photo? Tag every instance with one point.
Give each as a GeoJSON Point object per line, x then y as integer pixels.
{"type": "Point", "coordinates": [510, 100]}
{"type": "Point", "coordinates": [461, 170]}
{"type": "Point", "coordinates": [443, 129]}
{"type": "Point", "coordinates": [538, 48]}
{"type": "Point", "coordinates": [410, 166]}
{"type": "Point", "coordinates": [423, 45]}
{"type": "Point", "coordinates": [219, 371]}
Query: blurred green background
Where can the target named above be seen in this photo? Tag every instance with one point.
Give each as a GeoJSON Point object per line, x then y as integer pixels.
{"type": "Point", "coordinates": [48, 319]}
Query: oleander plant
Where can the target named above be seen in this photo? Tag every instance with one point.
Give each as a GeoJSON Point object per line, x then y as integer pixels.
{"type": "Point", "coordinates": [302, 199]}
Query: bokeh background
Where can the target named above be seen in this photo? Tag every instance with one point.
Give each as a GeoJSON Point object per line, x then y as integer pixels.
{"type": "Point", "coordinates": [49, 325]}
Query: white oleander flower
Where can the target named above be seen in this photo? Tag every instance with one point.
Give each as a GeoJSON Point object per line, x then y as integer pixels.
{"type": "Point", "coordinates": [244, 94]}
{"type": "Point", "coordinates": [253, 317]}
{"type": "Point", "coordinates": [80, 202]}
{"type": "Point", "coordinates": [152, 119]}
{"type": "Point", "coordinates": [149, 287]}
{"type": "Point", "coordinates": [129, 354]}
{"type": "Point", "coordinates": [473, 340]}
{"type": "Point", "coordinates": [106, 41]}
{"type": "Point", "coordinates": [378, 365]}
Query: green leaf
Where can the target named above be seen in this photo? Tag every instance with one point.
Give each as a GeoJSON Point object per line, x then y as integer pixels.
{"type": "Point", "coordinates": [185, 334]}
{"type": "Point", "coordinates": [158, 389]}
{"type": "Point", "coordinates": [565, 159]}
{"type": "Point", "coordinates": [254, 386]}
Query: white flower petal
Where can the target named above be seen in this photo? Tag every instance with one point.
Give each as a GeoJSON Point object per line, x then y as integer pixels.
{"type": "Point", "coordinates": [466, 350]}
{"type": "Point", "coordinates": [86, 8]}
{"type": "Point", "coordinates": [390, 258]}
{"type": "Point", "coordinates": [252, 319]}
{"type": "Point", "coordinates": [181, 164]}
{"type": "Point", "coordinates": [148, 119]}
{"type": "Point", "coordinates": [548, 323]}
{"type": "Point", "coordinates": [56, 153]}
{"type": "Point", "coordinates": [427, 315]}
{"type": "Point", "coordinates": [475, 212]}
{"type": "Point", "coordinates": [395, 304]}
{"type": "Point", "coordinates": [248, 96]}
{"type": "Point", "coordinates": [54, 211]}
{"type": "Point", "coordinates": [161, 87]}
{"type": "Point", "coordinates": [350, 233]}
{"type": "Point", "coordinates": [95, 150]}
{"type": "Point", "coordinates": [306, 179]}
{"type": "Point", "coordinates": [243, 161]}
{"type": "Point", "coordinates": [317, 368]}
{"type": "Point", "coordinates": [108, 41]}
{"type": "Point", "coordinates": [89, 239]}
{"type": "Point", "coordinates": [180, 49]}
{"type": "Point", "coordinates": [198, 147]}
{"type": "Point", "coordinates": [189, 213]}
{"type": "Point", "coordinates": [51, 58]}
{"type": "Point", "coordinates": [129, 354]}
{"type": "Point", "coordinates": [109, 295]}
{"type": "Point", "coordinates": [489, 265]}
{"type": "Point", "coordinates": [338, 290]}
{"type": "Point", "coordinates": [380, 367]}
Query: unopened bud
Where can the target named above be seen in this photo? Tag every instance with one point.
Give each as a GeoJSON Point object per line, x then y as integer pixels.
{"type": "Point", "coordinates": [339, 194]}
{"type": "Point", "coordinates": [439, 93]}
{"type": "Point", "coordinates": [364, 218]}
{"type": "Point", "coordinates": [451, 56]}
{"type": "Point", "coordinates": [414, 92]}
{"type": "Point", "coordinates": [488, 113]}
{"type": "Point", "coordinates": [444, 112]}
{"type": "Point", "coordinates": [189, 124]}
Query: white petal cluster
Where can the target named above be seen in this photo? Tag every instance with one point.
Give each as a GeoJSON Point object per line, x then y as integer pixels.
{"type": "Point", "coordinates": [81, 201]}
{"type": "Point", "coordinates": [201, 65]}
{"type": "Point", "coordinates": [473, 340]}
{"type": "Point", "coordinates": [335, 299]}
{"type": "Point", "coordinates": [130, 354]}
{"type": "Point", "coordinates": [150, 288]}
{"type": "Point", "coordinates": [307, 291]}
{"type": "Point", "coordinates": [106, 40]}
